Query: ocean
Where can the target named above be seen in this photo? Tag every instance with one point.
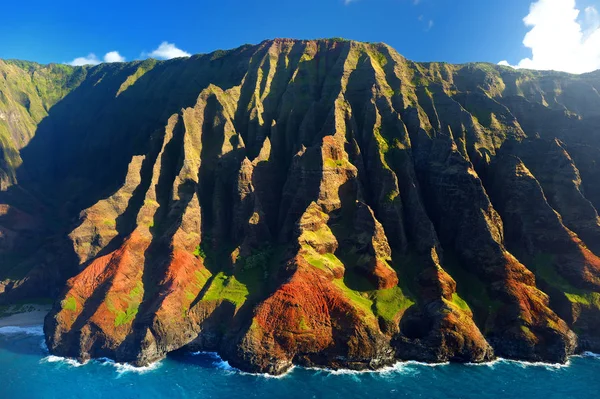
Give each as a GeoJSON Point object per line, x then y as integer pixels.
{"type": "Point", "coordinates": [27, 371]}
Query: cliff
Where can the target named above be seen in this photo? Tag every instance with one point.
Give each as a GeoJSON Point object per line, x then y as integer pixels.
{"type": "Point", "coordinates": [321, 203]}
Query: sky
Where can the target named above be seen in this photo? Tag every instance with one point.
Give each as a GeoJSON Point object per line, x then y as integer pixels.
{"type": "Point", "coordinates": [538, 34]}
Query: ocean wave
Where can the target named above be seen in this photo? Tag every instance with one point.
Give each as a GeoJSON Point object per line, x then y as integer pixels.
{"type": "Point", "coordinates": [33, 330]}
{"type": "Point", "coordinates": [416, 363]}
{"type": "Point", "coordinates": [491, 364]}
{"type": "Point", "coordinates": [120, 368]}
{"type": "Point", "coordinates": [64, 360]}
{"type": "Point", "coordinates": [401, 367]}
{"type": "Point", "coordinates": [219, 363]}
{"type": "Point", "coordinates": [591, 354]}
{"type": "Point", "coordinates": [123, 368]}
{"type": "Point", "coordinates": [266, 375]}
{"type": "Point", "coordinates": [525, 364]}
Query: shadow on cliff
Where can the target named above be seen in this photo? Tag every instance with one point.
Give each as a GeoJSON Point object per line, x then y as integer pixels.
{"type": "Point", "coordinates": [80, 151]}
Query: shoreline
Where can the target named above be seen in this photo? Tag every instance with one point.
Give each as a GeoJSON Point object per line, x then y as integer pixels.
{"type": "Point", "coordinates": [34, 318]}
{"type": "Point", "coordinates": [220, 363]}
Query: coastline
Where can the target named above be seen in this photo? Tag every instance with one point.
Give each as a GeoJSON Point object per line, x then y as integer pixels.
{"type": "Point", "coordinates": [399, 366]}
{"type": "Point", "coordinates": [32, 316]}
{"type": "Point", "coordinates": [207, 375]}
{"type": "Point", "coordinates": [33, 319]}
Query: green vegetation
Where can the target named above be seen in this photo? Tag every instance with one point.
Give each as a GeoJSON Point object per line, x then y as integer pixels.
{"type": "Point", "coordinates": [109, 223]}
{"type": "Point", "coordinates": [480, 113]}
{"type": "Point", "coordinates": [388, 303]}
{"type": "Point", "coordinates": [151, 202]}
{"type": "Point", "coordinates": [360, 300]}
{"type": "Point", "coordinates": [385, 304]}
{"type": "Point", "coordinates": [585, 298]}
{"type": "Point", "coordinates": [327, 262]}
{"type": "Point", "coordinates": [319, 236]}
{"type": "Point", "coordinates": [215, 55]}
{"type": "Point", "coordinates": [127, 316]}
{"type": "Point", "coordinates": [144, 67]}
{"type": "Point", "coordinates": [379, 57]}
{"type": "Point", "coordinates": [420, 81]}
{"type": "Point", "coordinates": [199, 252]}
{"type": "Point", "coordinates": [527, 332]}
{"type": "Point", "coordinates": [335, 163]}
{"type": "Point", "coordinates": [228, 288]}
{"type": "Point", "coordinates": [458, 301]}
{"type": "Point", "coordinates": [69, 304]}
{"type": "Point", "coordinates": [259, 259]}
{"type": "Point", "coordinates": [302, 325]}
{"type": "Point", "coordinates": [543, 267]}
{"type": "Point", "coordinates": [133, 300]}
{"type": "Point", "coordinates": [384, 145]}
{"type": "Point", "coordinates": [472, 293]}
{"type": "Point", "coordinates": [189, 296]}
{"type": "Point", "coordinates": [391, 196]}
{"type": "Point", "coordinates": [194, 287]}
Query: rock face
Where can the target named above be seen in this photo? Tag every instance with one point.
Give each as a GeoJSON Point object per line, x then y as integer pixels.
{"type": "Point", "coordinates": [321, 203]}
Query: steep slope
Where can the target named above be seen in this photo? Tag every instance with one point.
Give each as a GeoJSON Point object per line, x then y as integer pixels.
{"type": "Point", "coordinates": [322, 203]}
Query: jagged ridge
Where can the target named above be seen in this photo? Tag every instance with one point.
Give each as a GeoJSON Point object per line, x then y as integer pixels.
{"type": "Point", "coordinates": [322, 203]}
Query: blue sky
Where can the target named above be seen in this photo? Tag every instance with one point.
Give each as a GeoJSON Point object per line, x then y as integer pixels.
{"type": "Point", "coordinates": [423, 30]}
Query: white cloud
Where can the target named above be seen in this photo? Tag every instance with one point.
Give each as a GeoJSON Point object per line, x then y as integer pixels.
{"type": "Point", "coordinates": [113, 56]}
{"type": "Point", "coordinates": [561, 38]}
{"type": "Point", "coordinates": [166, 51]}
{"type": "Point", "coordinates": [90, 59]}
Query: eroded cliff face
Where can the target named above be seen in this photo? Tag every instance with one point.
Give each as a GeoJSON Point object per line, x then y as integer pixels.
{"type": "Point", "coordinates": [322, 203]}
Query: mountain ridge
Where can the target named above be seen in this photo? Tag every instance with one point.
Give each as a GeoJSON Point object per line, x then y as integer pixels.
{"type": "Point", "coordinates": [324, 203]}
{"type": "Point", "coordinates": [30, 64]}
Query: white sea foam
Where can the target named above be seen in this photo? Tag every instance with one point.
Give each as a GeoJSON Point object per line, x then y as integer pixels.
{"type": "Point", "coordinates": [33, 330]}
{"type": "Point", "coordinates": [396, 368]}
{"type": "Point", "coordinates": [522, 363]}
{"type": "Point", "coordinates": [64, 360]}
{"type": "Point", "coordinates": [525, 364]}
{"type": "Point", "coordinates": [415, 363]}
{"type": "Point", "coordinates": [219, 363]}
{"type": "Point", "coordinates": [120, 368]}
{"type": "Point", "coordinates": [123, 368]}
{"type": "Point", "coordinates": [491, 364]}
{"type": "Point", "coordinates": [403, 367]}
{"type": "Point", "coordinates": [265, 375]}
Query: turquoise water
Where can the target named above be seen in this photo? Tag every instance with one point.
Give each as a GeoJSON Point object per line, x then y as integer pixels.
{"type": "Point", "coordinates": [27, 371]}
